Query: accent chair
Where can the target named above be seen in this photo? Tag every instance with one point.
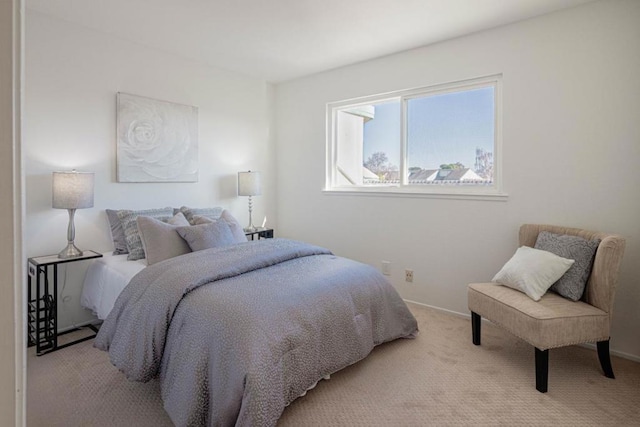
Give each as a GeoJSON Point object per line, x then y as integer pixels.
{"type": "Point", "coordinates": [555, 321]}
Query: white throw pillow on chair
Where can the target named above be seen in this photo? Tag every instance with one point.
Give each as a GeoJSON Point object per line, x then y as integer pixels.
{"type": "Point", "coordinates": [532, 271]}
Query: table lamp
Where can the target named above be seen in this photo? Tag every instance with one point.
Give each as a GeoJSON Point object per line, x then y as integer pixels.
{"type": "Point", "coordinates": [72, 190]}
{"type": "Point", "coordinates": [249, 184]}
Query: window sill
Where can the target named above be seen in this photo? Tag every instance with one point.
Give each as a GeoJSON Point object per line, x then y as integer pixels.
{"type": "Point", "coordinates": [495, 196]}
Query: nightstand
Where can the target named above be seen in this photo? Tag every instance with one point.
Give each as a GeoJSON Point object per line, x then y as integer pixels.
{"type": "Point", "coordinates": [42, 302]}
{"type": "Point", "coordinates": [260, 233]}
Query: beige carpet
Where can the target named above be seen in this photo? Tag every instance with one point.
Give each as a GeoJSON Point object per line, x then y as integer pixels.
{"type": "Point", "coordinates": [440, 378]}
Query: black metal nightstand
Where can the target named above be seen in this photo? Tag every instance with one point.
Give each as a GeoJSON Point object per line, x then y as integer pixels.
{"type": "Point", "coordinates": [260, 233]}
{"type": "Point", "coordinates": [42, 302]}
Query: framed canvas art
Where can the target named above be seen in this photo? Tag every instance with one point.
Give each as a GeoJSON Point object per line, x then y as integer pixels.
{"type": "Point", "coordinates": [157, 141]}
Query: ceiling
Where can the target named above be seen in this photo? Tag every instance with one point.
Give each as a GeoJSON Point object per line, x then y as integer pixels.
{"type": "Point", "coordinates": [279, 40]}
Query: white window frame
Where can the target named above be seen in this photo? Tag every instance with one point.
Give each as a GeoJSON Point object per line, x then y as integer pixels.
{"type": "Point", "coordinates": [483, 192]}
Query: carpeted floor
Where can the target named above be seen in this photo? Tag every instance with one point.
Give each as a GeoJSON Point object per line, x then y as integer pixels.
{"type": "Point", "coordinates": [440, 378]}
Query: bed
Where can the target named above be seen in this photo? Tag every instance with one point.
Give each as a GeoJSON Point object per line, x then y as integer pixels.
{"type": "Point", "coordinates": [106, 277]}
{"type": "Point", "coordinates": [237, 333]}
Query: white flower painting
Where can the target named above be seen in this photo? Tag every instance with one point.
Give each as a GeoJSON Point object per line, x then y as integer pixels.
{"type": "Point", "coordinates": [157, 140]}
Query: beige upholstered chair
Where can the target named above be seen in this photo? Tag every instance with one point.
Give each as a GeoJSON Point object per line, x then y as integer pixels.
{"type": "Point", "coordinates": [555, 321]}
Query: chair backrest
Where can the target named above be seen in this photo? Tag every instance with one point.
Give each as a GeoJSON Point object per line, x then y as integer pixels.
{"type": "Point", "coordinates": [601, 286]}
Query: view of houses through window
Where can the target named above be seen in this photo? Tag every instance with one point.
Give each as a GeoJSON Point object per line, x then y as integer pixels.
{"type": "Point", "coordinates": [420, 138]}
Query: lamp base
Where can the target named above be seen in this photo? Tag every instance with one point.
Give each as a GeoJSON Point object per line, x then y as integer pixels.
{"type": "Point", "coordinates": [250, 229]}
{"type": "Point", "coordinates": [71, 251]}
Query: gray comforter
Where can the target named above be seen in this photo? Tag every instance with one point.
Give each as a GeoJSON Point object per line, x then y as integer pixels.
{"type": "Point", "coordinates": [238, 333]}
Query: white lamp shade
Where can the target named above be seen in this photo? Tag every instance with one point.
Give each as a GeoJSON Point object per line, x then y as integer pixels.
{"type": "Point", "coordinates": [249, 184]}
{"type": "Point", "coordinates": [73, 190]}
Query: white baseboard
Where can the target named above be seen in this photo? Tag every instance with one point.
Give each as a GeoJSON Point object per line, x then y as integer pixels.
{"type": "Point", "coordinates": [468, 315]}
{"type": "Point", "coordinates": [592, 346]}
{"type": "Point", "coordinates": [622, 354]}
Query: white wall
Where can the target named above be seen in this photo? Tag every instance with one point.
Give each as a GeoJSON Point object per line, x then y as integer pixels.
{"type": "Point", "coordinates": [72, 77]}
{"type": "Point", "coordinates": [571, 146]}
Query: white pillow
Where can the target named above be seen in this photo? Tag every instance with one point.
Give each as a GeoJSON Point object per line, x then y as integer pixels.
{"type": "Point", "coordinates": [160, 239]}
{"type": "Point", "coordinates": [532, 271]}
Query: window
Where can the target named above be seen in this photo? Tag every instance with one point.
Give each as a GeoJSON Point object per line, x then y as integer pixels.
{"type": "Point", "coordinates": [440, 140]}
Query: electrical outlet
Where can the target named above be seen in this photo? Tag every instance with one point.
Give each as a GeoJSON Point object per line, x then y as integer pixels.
{"type": "Point", "coordinates": [386, 268]}
{"type": "Point", "coordinates": [408, 276]}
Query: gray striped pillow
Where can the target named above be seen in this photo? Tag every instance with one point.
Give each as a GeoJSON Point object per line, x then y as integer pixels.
{"type": "Point", "coordinates": [130, 227]}
{"type": "Point", "coordinates": [211, 213]}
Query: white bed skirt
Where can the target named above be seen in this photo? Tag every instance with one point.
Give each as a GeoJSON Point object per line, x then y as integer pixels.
{"type": "Point", "coordinates": [105, 279]}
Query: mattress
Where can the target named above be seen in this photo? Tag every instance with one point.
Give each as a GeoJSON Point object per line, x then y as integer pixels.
{"type": "Point", "coordinates": [105, 279]}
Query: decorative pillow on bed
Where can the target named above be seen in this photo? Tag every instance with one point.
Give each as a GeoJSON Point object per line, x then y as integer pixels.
{"type": "Point", "coordinates": [572, 284]}
{"type": "Point", "coordinates": [532, 271]}
{"type": "Point", "coordinates": [117, 233]}
{"type": "Point", "coordinates": [211, 213]}
{"type": "Point", "coordinates": [130, 227]}
{"type": "Point", "coordinates": [205, 236]}
{"type": "Point", "coordinates": [160, 240]}
{"type": "Point", "coordinates": [200, 220]}
{"type": "Point", "coordinates": [236, 228]}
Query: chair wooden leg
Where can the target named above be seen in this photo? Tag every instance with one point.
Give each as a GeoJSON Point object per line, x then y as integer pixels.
{"type": "Point", "coordinates": [476, 322]}
{"type": "Point", "coordinates": [542, 370]}
{"type": "Point", "coordinates": [605, 359]}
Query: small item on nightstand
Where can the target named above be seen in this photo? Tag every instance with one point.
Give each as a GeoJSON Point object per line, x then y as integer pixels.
{"type": "Point", "coordinates": [259, 233]}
